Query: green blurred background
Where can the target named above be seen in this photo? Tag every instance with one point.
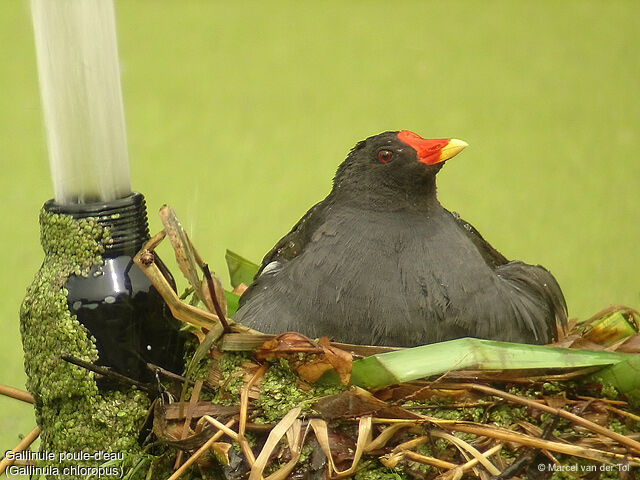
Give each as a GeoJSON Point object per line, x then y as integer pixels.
{"type": "Point", "coordinates": [239, 112]}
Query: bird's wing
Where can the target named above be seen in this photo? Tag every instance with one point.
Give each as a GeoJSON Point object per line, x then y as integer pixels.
{"type": "Point", "coordinates": [537, 298]}
{"type": "Point", "coordinates": [493, 257]}
{"type": "Point", "coordinates": [292, 244]}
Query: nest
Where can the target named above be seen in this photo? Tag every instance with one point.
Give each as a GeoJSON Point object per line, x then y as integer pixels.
{"type": "Point", "coordinates": [266, 420]}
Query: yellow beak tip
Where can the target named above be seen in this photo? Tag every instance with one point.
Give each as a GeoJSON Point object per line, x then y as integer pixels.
{"type": "Point", "coordinates": [454, 147]}
{"type": "Point", "coordinates": [459, 144]}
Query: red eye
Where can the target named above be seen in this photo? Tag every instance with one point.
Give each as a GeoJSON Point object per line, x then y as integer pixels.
{"type": "Point", "coordinates": [384, 156]}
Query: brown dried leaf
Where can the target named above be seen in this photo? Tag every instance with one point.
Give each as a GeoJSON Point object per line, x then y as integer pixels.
{"type": "Point", "coordinates": [340, 360]}
{"type": "Point", "coordinates": [324, 356]}
{"type": "Point", "coordinates": [357, 402]}
{"type": "Point", "coordinates": [582, 343]}
{"type": "Point", "coordinates": [600, 418]}
{"type": "Point", "coordinates": [189, 260]}
{"type": "Point", "coordinates": [276, 434]}
{"type": "Point", "coordinates": [182, 246]}
{"type": "Point", "coordinates": [312, 370]}
{"type": "Point", "coordinates": [320, 429]}
{"type": "Point", "coordinates": [285, 344]}
{"type": "Point", "coordinates": [630, 345]}
{"type": "Point", "coordinates": [555, 401]}
{"type": "Point", "coordinates": [170, 432]}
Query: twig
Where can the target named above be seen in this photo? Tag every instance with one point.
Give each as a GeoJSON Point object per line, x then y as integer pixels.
{"type": "Point", "coordinates": [223, 428]}
{"type": "Point", "coordinates": [105, 372]}
{"type": "Point", "coordinates": [15, 393]}
{"type": "Point", "coordinates": [26, 441]}
{"type": "Point", "coordinates": [630, 415]}
{"type": "Point", "coordinates": [450, 405]}
{"type": "Point", "coordinates": [416, 457]}
{"type": "Point", "coordinates": [528, 456]}
{"type": "Point", "coordinates": [381, 440]}
{"type": "Point", "coordinates": [498, 433]}
{"type": "Point", "coordinates": [505, 435]}
{"type": "Point", "coordinates": [594, 427]}
{"type": "Point", "coordinates": [214, 298]}
{"type": "Point", "coordinates": [470, 464]}
{"type": "Point", "coordinates": [603, 400]}
{"type": "Point", "coordinates": [405, 450]}
{"type": "Point", "coordinates": [178, 378]}
{"type": "Point", "coordinates": [392, 460]}
{"type": "Point", "coordinates": [465, 447]}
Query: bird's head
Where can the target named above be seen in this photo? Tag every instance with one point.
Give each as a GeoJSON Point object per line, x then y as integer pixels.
{"type": "Point", "coordinates": [393, 162]}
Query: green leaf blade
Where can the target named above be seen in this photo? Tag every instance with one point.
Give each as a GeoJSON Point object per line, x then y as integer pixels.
{"type": "Point", "coordinates": [471, 353]}
{"type": "Point", "coordinates": [241, 270]}
{"type": "Point", "coordinates": [624, 376]}
{"type": "Point", "coordinates": [232, 302]}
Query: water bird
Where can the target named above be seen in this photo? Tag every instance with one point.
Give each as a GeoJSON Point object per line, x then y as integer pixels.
{"type": "Point", "coordinates": [380, 261]}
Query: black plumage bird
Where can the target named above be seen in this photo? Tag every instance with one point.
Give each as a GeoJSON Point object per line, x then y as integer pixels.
{"type": "Point", "coordinates": [379, 261]}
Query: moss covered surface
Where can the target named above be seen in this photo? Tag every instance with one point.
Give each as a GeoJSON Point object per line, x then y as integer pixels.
{"type": "Point", "coordinates": [280, 391]}
{"type": "Point", "coordinates": [74, 416]}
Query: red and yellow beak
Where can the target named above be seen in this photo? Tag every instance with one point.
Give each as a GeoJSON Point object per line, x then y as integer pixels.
{"type": "Point", "coordinates": [435, 151]}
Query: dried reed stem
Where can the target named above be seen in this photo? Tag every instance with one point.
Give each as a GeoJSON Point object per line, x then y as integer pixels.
{"type": "Point", "coordinates": [15, 393]}
{"type": "Point", "coordinates": [26, 441]}
{"type": "Point", "coordinates": [594, 427]}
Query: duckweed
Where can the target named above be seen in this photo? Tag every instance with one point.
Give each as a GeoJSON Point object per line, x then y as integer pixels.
{"type": "Point", "coordinates": [74, 416]}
